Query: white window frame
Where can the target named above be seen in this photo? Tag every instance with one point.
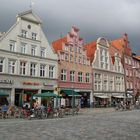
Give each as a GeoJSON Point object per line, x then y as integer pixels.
{"type": "Point", "coordinates": [87, 77]}
{"type": "Point", "coordinates": [80, 77]}
{"type": "Point", "coordinates": [72, 76]}
{"type": "Point", "coordinates": [23, 47]}
{"type": "Point", "coordinates": [22, 68]}
{"type": "Point", "coordinates": [12, 46]}
{"type": "Point", "coordinates": [42, 70]}
{"type": "Point", "coordinates": [43, 52]}
{"type": "Point", "coordinates": [33, 50]}
{"type": "Point", "coordinates": [1, 64]}
{"type": "Point", "coordinates": [24, 33]}
{"type": "Point", "coordinates": [63, 75]}
{"type": "Point", "coordinates": [51, 71]}
{"type": "Point", "coordinates": [33, 69]}
{"type": "Point", "coordinates": [34, 36]}
{"type": "Point", "coordinates": [11, 66]}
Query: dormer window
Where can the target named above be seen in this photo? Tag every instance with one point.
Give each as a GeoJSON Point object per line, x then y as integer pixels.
{"type": "Point", "coordinates": [34, 36]}
{"type": "Point", "coordinates": [24, 33]}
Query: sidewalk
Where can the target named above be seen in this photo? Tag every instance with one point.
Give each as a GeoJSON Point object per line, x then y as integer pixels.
{"type": "Point", "coordinates": [96, 110]}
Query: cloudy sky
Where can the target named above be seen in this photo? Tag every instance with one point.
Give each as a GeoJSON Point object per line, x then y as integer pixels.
{"type": "Point", "coordinates": [94, 18]}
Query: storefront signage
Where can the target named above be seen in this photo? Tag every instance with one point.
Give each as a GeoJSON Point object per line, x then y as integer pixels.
{"type": "Point", "coordinates": [31, 83]}
{"type": "Point", "coordinates": [46, 84]}
{"type": "Point", "coordinates": [6, 81]}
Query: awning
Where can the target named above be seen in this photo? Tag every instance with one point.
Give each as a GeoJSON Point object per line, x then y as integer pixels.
{"type": "Point", "coordinates": [46, 94]}
{"type": "Point", "coordinates": [69, 92]}
{"type": "Point", "coordinates": [119, 96]}
{"type": "Point", "coordinates": [104, 97]}
{"type": "Point", "coordinates": [3, 94]}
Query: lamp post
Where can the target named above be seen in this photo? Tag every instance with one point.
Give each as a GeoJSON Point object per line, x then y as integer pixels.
{"type": "Point", "coordinates": [72, 101]}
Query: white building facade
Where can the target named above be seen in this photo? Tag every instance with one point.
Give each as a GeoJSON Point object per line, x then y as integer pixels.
{"type": "Point", "coordinates": [108, 72]}
{"type": "Point", "coordinates": [27, 61]}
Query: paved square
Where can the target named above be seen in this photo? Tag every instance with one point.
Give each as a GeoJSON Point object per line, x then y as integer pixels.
{"type": "Point", "coordinates": [108, 125]}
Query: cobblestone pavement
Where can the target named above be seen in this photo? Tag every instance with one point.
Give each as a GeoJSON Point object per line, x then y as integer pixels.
{"type": "Point", "coordinates": [90, 124]}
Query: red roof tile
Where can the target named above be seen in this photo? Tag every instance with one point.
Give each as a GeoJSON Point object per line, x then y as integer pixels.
{"type": "Point", "coordinates": [91, 48]}
{"type": "Point", "coordinates": [57, 45]}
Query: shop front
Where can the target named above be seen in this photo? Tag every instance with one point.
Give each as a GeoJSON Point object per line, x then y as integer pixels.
{"type": "Point", "coordinates": [101, 100]}
{"type": "Point", "coordinates": [70, 98]}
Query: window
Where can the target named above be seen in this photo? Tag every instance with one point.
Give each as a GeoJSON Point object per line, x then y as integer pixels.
{"type": "Point", "coordinates": [71, 48]}
{"type": "Point", "coordinates": [66, 48]}
{"type": "Point", "coordinates": [97, 76]}
{"type": "Point", "coordinates": [72, 76]}
{"type": "Point", "coordinates": [51, 71]}
{"type": "Point", "coordinates": [23, 47]}
{"type": "Point", "coordinates": [24, 33]}
{"type": "Point", "coordinates": [66, 57]}
{"type": "Point", "coordinates": [71, 58]}
{"type": "Point", "coordinates": [42, 52]}
{"type": "Point", "coordinates": [22, 68]}
{"type": "Point", "coordinates": [111, 85]}
{"type": "Point", "coordinates": [79, 60]}
{"type": "Point", "coordinates": [80, 76]}
{"type": "Point", "coordinates": [12, 46]}
{"type": "Point", "coordinates": [11, 66]}
{"type": "Point", "coordinates": [75, 59]}
{"type": "Point", "coordinates": [87, 78]}
{"type": "Point", "coordinates": [33, 50]}
{"type": "Point", "coordinates": [34, 36]}
{"type": "Point", "coordinates": [42, 70]}
{"type": "Point", "coordinates": [126, 71]}
{"type": "Point", "coordinates": [84, 60]}
{"type": "Point", "coordinates": [63, 75]}
{"type": "Point", "coordinates": [97, 86]}
{"type": "Point", "coordinates": [105, 87]}
{"type": "Point", "coordinates": [33, 69]}
{"type": "Point", "coordinates": [1, 64]}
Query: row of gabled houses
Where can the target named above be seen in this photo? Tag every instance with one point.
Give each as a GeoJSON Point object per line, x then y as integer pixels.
{"type": "Point", "coordinates": [101, 71]}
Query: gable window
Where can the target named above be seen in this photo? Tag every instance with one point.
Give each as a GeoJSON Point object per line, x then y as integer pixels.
{"type": "Point", "coordinates": [63, 75]}
{"type": "Point", "coordinates": [33, 69]}
{"type": "Point", "coordinates": [42, 52]}
{"type": "Point", "coordinates": [51, 71]}
{"type": "Point", "coordinates": [42, 70]}
{"type": "Point", "coordinates": [34, 36]}
{"type": "Point", "coordinates": [33, 50]}
{"type": "Point", "coordinates": [23, 47]}
{"type": "Point", "coordinates": [12, 46]}
{"type": "Point", "coordinates": [80, 76]}
{"type": "Point", "coordinates": [11, 66]}
{"type": "Point", "coordinates": [1, 64]}
{"type": "Point", "coordinates": [22, 68]}
{"type": "Point", "coordinates": [72, 76]}
{"type": "Point", "coordinates": [24, 33]}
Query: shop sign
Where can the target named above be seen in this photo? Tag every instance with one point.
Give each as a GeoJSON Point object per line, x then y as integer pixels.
{"type": "Point", "coordinates": [46, 84]}
{"type": "Point", "coordinates": [31, 83]}
{"type": "Point", "coordinates": [6, 81]}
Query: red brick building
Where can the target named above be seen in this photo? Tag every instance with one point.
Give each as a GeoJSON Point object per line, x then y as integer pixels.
{"type": "Point", "coordinates": [131, 66]}
{"type": "Point", "coordinates": [74, 70]}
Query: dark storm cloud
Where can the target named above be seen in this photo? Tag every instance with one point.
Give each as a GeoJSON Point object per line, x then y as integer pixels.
{"type": "Point", "coordinates": [95, 18]}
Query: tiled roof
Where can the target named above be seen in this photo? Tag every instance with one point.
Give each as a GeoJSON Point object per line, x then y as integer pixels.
{"type": "Point", "coordinates": [120, 45]}
{"type": "Point", "coordinates": [138, 57]}
{"type": "Point", "coordinates": [57, 45]}
{"type": "Point", "coordinates": [91, 48]}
